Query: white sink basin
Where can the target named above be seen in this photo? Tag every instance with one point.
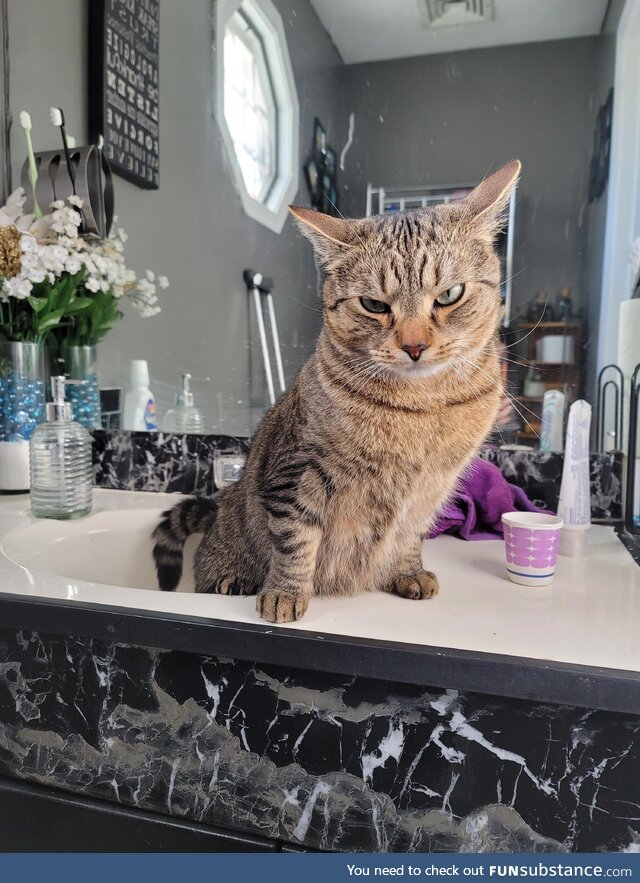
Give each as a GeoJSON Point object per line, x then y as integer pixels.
{"type": "Point", "coordinates": [591, 616]}
{"type": "Point", "coordinates": [107, 548]}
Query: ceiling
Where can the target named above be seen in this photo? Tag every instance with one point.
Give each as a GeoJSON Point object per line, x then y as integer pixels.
{"type": "Point", "coordinates": [375, 30]}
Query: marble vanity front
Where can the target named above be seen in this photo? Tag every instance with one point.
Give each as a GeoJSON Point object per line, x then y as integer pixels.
{"type": "Point", "coordinates": [489, 719]}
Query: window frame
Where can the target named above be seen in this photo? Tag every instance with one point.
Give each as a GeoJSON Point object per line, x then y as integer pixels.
{"type": "Point", "coordinates": [266, 23]}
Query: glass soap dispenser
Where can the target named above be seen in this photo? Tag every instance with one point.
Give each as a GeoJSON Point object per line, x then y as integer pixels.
{"type": "Point", "coordinates": [61, 469]}
{"type": "Point", "coordinates": [185, 417]}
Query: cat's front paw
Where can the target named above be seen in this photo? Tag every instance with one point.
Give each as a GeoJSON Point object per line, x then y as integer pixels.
{"type": "Point", "coordinates": [276, 606]}
{"type": "Point", "coordinates": [231, 585]}
{"type": "Point", "coordinates": [416, 586]}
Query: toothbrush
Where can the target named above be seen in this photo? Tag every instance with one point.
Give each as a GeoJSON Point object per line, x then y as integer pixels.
{"type": "Point", "coordinates": [103, 213]}
{"type": "Point", "coordinates": [57, 119]}
{"type": "Point", "coordinates": [25, 122]}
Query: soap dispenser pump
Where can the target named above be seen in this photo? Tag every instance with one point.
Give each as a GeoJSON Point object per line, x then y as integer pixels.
{"type": "Point", "coordinates": [61, 469]}
{"type": "Point", "coordinates": [185, 417]}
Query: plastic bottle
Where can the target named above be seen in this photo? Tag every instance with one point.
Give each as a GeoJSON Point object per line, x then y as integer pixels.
{"type": "Point", "coordinates": [552, 420]}
{"type": "Point", "coordinates": [139, 403]}
{"type": "Point", "coordinates": [185, 417]}
{"type": "Point", "coordinates": [60, 458]}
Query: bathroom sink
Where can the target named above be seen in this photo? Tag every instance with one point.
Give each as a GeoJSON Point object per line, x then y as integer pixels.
{"type": "Point", "coordinates": [105, 560]}
{"type": "Point", "coordinates": [110, 547]}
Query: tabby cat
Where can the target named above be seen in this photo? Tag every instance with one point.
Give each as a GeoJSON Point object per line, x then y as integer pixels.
{"type": "Point", "coordinates": [350, 467]}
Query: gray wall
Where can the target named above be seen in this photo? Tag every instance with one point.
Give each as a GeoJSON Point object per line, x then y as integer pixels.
{"type": "Point", "coordinates": [193, 228]}
{"type": "Point", "coordinates": [450, 119]}
{"type": "Point", "coordinates": [439, 120]}
{"type": "Point", "coordinates": [596, 212]}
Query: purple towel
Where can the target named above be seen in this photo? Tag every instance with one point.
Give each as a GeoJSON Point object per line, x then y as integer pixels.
{"type": "Point", "coordinates": [475, 509]}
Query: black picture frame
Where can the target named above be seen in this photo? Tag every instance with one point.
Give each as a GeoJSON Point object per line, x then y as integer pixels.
{"type": "Point", "coordinates": [127, 118]}
{"type": "Point", "coordinates": [5, 116]}
{"type": "Point", "coordinates": [599, 167]}
{"type": "Point", "coordinates": [320, 171]}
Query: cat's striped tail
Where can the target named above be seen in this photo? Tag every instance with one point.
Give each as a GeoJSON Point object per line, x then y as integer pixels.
{"type": "Point", "coordinates": [194, 515]}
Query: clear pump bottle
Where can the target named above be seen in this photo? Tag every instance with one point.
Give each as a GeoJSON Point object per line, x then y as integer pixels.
{"type": "Point", "coordinates": [61, 469]}
{"type": "Point", "coordinates": [185, 417]}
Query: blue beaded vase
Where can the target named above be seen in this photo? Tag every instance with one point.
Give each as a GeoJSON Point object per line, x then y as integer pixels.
{"type": "Point", "coordinates": [80, 364]}
{"type": "Point", "coordinates": [21, 390]}
{"type": "Point", "coordinates": [22, 399]}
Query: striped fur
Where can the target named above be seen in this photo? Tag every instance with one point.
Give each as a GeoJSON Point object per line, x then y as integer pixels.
{"type": "Point", "coordinates": [191, 516]}
{"type": "Point", "coordinates": [352, 464]}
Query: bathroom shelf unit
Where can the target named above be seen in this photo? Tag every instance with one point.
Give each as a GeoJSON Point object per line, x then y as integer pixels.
{"type": "Point", "coordinates": [556, 375]}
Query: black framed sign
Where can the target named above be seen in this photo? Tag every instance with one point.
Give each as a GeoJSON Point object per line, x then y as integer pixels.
{"type": "Point", "coordinates": [124, 86]}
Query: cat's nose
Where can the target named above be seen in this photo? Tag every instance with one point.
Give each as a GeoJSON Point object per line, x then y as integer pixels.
{"type": "Point", "coordinates": [414, 350]}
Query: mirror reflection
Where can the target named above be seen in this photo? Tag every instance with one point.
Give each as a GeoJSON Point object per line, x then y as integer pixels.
{"type": "Point", "coordinates": [216, 116]}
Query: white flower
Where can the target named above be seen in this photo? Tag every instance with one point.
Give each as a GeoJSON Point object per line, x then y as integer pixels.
{"type": "Point", "coordinates": [76, 200]}
{"type": "Point", "coordinates": [151, 276]}
{"type": "Point", "coordinates": [92, 284]}
{"type": "Point", "coordinates": [163, 282]}
{"type": "Point", "coordinates": [18, 287]}
{"type": "Point", "coordinates": [25, 223]}
{"type": "Point", "coordinates": [29, 244]}
{"type": "Point", "coordinates": [12, 210]}
{"type": "Point", "coordinates": [122, 234]}
{"type": "Point", "coordinates": [73, 264]}
{"type": "Point", "coordinates": [41, 228]}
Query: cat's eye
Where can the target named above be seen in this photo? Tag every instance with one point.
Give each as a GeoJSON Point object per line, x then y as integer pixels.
{"type": "Point", "coordinates": [375, 306]}
{"type": "Point", "coordinates": [451, 295]}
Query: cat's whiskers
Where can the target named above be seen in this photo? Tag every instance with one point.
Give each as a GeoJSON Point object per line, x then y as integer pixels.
{"type": "Point", "coordinates": [477, 367]}
{"type": "Point", "coordinates": [365, 372]}
{"type": "Point", "coordinates": [472, 386]}
{"type": "Point", "coordinates": [524, 337]}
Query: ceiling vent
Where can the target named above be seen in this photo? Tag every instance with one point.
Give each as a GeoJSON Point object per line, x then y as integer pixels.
{"type": "Point", "coordinates": [453, 13]}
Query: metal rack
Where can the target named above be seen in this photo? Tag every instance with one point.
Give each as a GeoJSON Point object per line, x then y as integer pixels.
{"type": "Point", "coordinates": [617, 385]}
{"type": "Point", "coordinates": [631, 518]}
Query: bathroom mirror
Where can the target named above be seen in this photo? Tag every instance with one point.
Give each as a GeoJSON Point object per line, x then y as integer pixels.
{"type": "Point", "coordinates": [415, 101]}
{"type": "Point", "coordinates": [5, 164]}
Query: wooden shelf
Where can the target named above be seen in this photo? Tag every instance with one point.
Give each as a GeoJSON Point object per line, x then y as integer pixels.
{"type": "Point", "coordinates": [556, 365]}
{"type": "Point", "coordinates": [570, 326]}
{"type": "Point", "coordinates": [555, 375]}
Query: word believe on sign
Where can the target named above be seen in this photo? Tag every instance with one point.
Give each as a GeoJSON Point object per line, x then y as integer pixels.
{"type": "Point", "coordinates": [123, 86]}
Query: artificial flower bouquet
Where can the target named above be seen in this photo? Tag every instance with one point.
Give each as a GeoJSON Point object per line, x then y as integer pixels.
{"type": "Point", "coordinates": [60, 287]}
{"type": "Point", "coordinates": [64, 290]}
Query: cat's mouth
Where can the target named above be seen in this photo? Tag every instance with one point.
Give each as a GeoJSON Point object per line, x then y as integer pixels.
{"type": "Point", "coordinates": [416, 370]}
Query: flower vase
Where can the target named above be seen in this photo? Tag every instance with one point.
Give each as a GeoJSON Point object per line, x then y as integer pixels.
{"type": "Point", "coordinates": [22, 399]}
{"type": "Point", "coordinates": [79, 363]}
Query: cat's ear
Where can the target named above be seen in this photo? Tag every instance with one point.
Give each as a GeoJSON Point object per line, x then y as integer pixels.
{"type": "Point", "coordinates": [489, 200]}
{"type": "Point", "coordinates": [331, 237]}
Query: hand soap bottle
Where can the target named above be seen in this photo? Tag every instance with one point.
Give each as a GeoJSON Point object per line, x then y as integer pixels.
{"type": "Point", "coordinates": [61, 469]}
{"type": "Point", "coordinates": [185, 417]}
{"type": "Point", "coordinates": [139, 403]}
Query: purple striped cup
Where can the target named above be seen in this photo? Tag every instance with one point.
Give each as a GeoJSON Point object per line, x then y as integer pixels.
{"type": "Point", "coordinates": [531, 541]}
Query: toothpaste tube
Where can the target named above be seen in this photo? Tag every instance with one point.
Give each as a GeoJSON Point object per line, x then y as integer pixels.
{"type": "Point", "coordinates": [574, 506]}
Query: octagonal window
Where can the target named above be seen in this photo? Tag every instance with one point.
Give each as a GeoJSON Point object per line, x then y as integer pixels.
{"type": "Point", "coordinates": [257, 107]}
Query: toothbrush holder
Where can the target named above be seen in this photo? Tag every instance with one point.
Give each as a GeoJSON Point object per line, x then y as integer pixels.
{"type": "Point", "coordinates": [93, 184]}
